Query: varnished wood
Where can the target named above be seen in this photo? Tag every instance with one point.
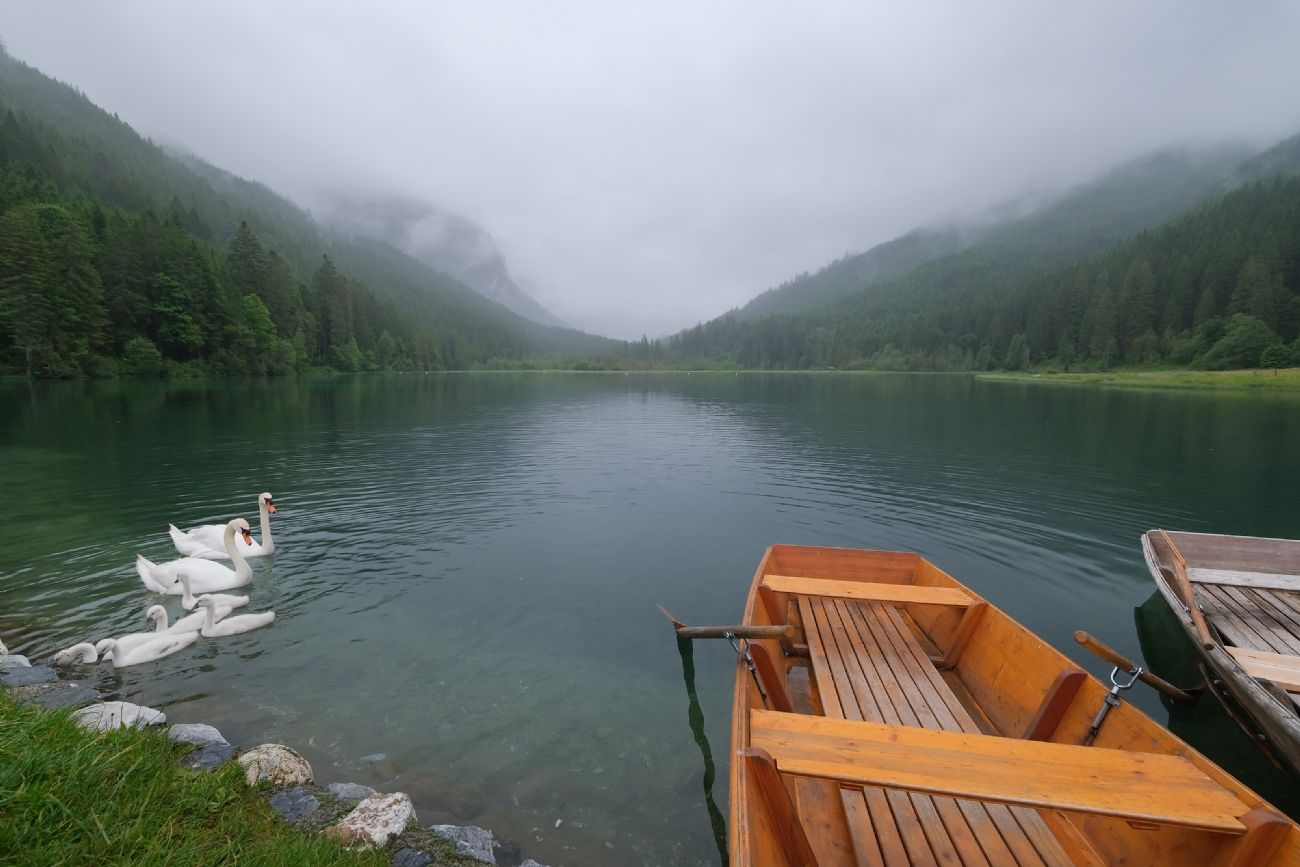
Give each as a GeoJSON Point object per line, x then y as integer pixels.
{"type": "Point", "coordinates": [1000, 679]}
{"type": "Point", "coordinates": [970, 621]}
{"type": "Point", "coordinates": [746, 632]}
{"type": "Point", "coordinates": [1060, 695]}
{"type": "Point", "coordinates": [1281, 669]}
{"type": "Point", "coordinates": [773, 683]}
{"type": "Point", "coordinates": [1142, 786]}
{"type": "Point", "coordinates": [898, 594]}
{"type": "Point", "coordinates": [776, 616]}
{"type": "Point", "coordinates": [775, 800]}
{"type": "Point", "coordinates": [863, 831]}
{"type": "Point", "coordinates": [1265, 831]}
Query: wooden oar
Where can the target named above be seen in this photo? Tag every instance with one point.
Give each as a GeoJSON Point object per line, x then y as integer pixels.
{"type": "Point", "coordinates": [1189, 595]}
{"type": "Point", "coordinates": [1123, 663]}
{"type": "Point", "coordinates": [751, 632]}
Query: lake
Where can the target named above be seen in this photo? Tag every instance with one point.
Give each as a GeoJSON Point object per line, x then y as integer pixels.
{"type": "Point", "coordinates": [468, 565]}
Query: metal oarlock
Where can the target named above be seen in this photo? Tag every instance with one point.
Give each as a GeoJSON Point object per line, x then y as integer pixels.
{"type": "Point", "coordinates": [749, 660]}
{"type": "Point", "coordinates": [1111, 700]}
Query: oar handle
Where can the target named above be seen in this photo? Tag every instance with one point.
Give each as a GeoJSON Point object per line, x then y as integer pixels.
{"type": "Point", "coordinates": [750, 632]}
{"type": "Point", "coordinates": [1123, 663]}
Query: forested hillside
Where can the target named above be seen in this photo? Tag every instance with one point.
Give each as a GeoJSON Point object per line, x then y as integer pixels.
{"type": "Point", "coordinates": [1015, 240]}
{"type": "Point", "coordinates": [117, 257]}
{"type": "Point", "coordinates": [1214, 288]}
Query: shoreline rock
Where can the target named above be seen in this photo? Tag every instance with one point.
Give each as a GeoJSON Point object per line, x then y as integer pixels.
{"type": "Point", "coordinates": [375, 821]}
{"type": "Point", "coordinates": [277, 763]}
{"type": "Point", "coordinates": [110, 715]}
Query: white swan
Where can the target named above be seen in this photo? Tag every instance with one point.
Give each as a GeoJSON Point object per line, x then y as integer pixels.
{"type": "Point", "coordinates": [231, 625]}
{"type": "Point", "coordinates": [205, 576]}
{"type": "Point", "coordinates": [87, 652]}
{"type": "Point", "coordinates": [205, 542]}
{"type": "Point", "coordinates": [149, 651]}
{"type": "Point", "coordinates": [192, 623]}
{"type": "Point", "coordinates": [223, 600]}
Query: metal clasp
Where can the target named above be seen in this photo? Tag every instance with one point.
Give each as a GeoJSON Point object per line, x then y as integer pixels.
{"type": "Point", "coordinates": [1111, 700]}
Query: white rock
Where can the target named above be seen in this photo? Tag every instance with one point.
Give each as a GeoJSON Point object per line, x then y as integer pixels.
{"type": "Point", "coordinates": [375, 821]}
{"type": "Point", "coordinates": [277, 763]}
{"type": "Point", "coordinates": [531, 863]}
{"type": "Point", "coordinates": [195, 733]}
{"type": "Point", "coordinates": [109, 715]}
{"type": "Point", "coordinates": [13, 660]}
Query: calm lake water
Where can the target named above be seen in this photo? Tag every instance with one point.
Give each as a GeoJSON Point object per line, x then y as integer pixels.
{"type": "Point", "coordinates": [467, 565]}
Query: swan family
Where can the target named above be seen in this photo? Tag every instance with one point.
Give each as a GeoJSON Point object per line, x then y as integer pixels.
{"type": "Point", "coordinates": [195, 572]}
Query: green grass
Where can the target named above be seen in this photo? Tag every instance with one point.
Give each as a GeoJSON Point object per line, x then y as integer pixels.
{"type": "Point", "coordinates": [71, 797]}
{"type": "Point", "coordinates": [1235, 379]}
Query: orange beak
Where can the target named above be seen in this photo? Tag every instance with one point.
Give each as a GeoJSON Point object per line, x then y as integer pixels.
{"type": "Point", "coordinates": [270, 507]}
{"type": "Point", "coordinates": [248, 537]}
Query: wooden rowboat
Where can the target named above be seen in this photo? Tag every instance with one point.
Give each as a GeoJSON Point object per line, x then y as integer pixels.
{"type": "Point", "coordinates": [1247, 593]}
{"type": "Point", "coordinates": [906, 721]}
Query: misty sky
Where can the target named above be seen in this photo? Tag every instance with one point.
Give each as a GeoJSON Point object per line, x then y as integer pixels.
{"type": "Point", "coordinates": [649, 165]}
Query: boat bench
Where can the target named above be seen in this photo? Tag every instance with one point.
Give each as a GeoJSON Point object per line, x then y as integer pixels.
{"type": "Point", "coordinates": [886, 742]}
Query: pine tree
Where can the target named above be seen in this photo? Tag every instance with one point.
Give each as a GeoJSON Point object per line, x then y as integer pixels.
{"type": "Point", "coordinates": [26, 287]}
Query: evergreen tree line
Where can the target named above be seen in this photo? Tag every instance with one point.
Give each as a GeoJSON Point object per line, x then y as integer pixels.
{"type": "Point", "coordinates": [91, 288]}
{"type": "Point", "coordinates": [1218, 288]}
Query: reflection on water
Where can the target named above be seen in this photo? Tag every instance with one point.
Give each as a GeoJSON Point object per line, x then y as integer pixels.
{"type": "Point", "coordinates": [467, 566]}
{"type": "Point", "coordinates": [695, 715]}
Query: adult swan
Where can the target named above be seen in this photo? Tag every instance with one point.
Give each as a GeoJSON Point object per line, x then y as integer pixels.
{"type": "Point", "coordinates": [205, 576]}
{"type": "Point", "coordinates": [205, 542]}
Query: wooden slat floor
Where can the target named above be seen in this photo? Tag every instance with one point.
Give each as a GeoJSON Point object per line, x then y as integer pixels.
{"type": "Point", "coordinates": [869, 666]}
{"type": "Point", "coordinates": [1254, 618]}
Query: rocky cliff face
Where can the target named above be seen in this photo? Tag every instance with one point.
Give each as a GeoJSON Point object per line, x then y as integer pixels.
{"type": "Point", "coordinates": [442, 240]}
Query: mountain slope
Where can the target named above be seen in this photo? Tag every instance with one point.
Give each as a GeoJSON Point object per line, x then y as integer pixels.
{"type": "Point", "coordinates": [104, 157]}
{"type": "Point", "coordinates": [1137, 195]}
{"type": "Point", "coordinates": [1216, 286]}
{"type": "Point", "coordinates": [444, 241]}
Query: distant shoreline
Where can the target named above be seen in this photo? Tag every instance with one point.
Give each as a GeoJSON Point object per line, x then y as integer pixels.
{"type": "Point", "coordinates": [1226, 379]}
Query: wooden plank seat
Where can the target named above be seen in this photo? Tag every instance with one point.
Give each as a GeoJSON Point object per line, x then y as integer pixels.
{"type": "Point", "coordinates": [868, 666]}
{"type": "Point", "coordinates": [1282, 669]}
{"type": "Point", "coordinates": [866, 591]}
{"type": "Point", "coordinates": [1148, 787]}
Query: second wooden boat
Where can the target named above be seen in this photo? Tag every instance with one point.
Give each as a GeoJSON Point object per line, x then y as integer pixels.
{"type": "Point", "coordinates": [906, 721]}
{"type": "Point", "coordinates": [1245, 620]}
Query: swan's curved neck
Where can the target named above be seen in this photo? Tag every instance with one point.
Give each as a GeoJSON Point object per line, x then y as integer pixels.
{"type": "Point", "coordinates": [242, 568]}
{"type": "Point", "coordinates": [87, 651]}
{"type": "Point", "coordinates": [267, 544]}
{"type": "Point", "coordinates": [187, 599]}
{"type": "Point", "coordinates": [210, 619]}
{"type": "Point", "coordinates": [161, 618]}
{"type": "Point", "coordinates": [119, 656]}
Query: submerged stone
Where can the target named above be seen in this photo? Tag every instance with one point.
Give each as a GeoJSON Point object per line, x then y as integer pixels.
{"type": "Point", "coordinates": [277, 763]}
{"type": "Point", "coordinates": [110, 715]}
{"type": "Point", "coordinates": [370, 760]}
{"type": "Point", "coordinates": [295, 803]}
{"type": "Point", "coordinates": [26, 675]}
{"type": "Point", "coordinates": [198, 734]}
{"type": "Point", "coordinates": [350, 791]}
{"type": "Point", "coordinates": [64, 697]}
{"type": "Point", "coordinates": [208, 756]}
{"type": "Point", "coordinates": [412, 858]}
{"type": "Point", "coordinates": [531, 863]}
{"type": "Point", "coordinates": [470, 840]}
{"type": "Point", "coordinates": [506, 851]}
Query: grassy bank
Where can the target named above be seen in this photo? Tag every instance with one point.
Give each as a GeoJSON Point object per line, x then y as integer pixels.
{"type": "Point", "coordinates": [1265, 379]}
{"type": "Point", "coordinates": [69, 796]}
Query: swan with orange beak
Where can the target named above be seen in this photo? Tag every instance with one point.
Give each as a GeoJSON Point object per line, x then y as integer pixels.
{"type": "Point", "coordinates": [205, 576]}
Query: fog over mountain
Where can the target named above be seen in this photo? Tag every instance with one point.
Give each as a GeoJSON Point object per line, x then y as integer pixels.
{"type": "Point", "coordinates": [648, 166]}
{"type": "Point", "coordinates": [450, 243]}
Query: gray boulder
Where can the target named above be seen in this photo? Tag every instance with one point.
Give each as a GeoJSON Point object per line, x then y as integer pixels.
{"type": "Point", "coordinates": [412, 858]}
{"type": "Point", "coordinates": [295, 803]}
{"type": "Point", "coordinates": [27, 675]}
{"type": "Point", "coordinates": [64, 697]}
{"type": "Point", "coordinates": [470, 840]}
{"type": "Point", "coordinates": [531, 863]}
{"type": "Point", "coordinates": [109, 715]}
{"type": "Point", "coordinates": [195, 733]}
{"type": "Point", "coordinates": [350, 791]}
{"type": "Point", "coordinates": [208, 756]}
{"type": "Point", "coordinates": [14, 660]}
